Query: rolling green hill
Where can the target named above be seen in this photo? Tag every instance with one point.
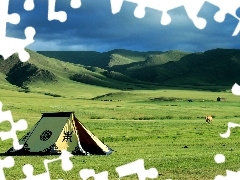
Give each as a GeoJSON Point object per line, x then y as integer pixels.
{"type": "Point", "coordinates": [41, 71]}
{"type": "Point", "coordinates": [96, 59]}
{"type": "Point", "coordinates": [216, 67]}
{"type": "Point", "coordinates": [213, 67]}
{"type": "Point", "coordinates": [122, 70]}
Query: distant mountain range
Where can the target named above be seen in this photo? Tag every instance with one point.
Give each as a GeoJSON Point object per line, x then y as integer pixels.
{"type": "Point", "coordinates": [213, 67]}
{"type": "Point", "coordinates": [124, 69]}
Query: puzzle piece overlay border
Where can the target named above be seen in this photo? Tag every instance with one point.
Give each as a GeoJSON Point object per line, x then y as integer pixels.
{"type": "Point", "coordinates": [220, 158]}
{"type": "Point", "coordinates": [20, 125]}
{"type": "Point", "coordinates": [9, 46]}
{"type": "Point", "coordinates": [192, 9]}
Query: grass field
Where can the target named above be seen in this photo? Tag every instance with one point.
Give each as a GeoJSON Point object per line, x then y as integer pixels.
{"type": "Point", "coordinates": [159, 126]}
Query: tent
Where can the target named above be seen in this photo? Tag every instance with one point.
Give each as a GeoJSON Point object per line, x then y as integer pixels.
{"type": "Point", "coordinates": [60, 131]}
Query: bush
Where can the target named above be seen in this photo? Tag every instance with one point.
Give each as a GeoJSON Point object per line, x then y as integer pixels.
{"type": "Point", "coordinates": [53, 95]}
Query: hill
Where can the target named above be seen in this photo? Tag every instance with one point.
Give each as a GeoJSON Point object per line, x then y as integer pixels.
{"type": "Point", "coordinates": [41, 71]}
{"type": "Point", "coordinates": [213, 67]}
{"type": "Point", "coordinates": [216, 67]}
{"type": "Point", "coordinates": [215, 70]}
{"type": "Point", "coordinates": [96, 59]}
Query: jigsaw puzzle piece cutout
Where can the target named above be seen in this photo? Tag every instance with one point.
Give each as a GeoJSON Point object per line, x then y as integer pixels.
{"type": "Point", "coordinates": [237, 30]}
{"type": "Point", "coordinates": [29, 5]}
{"type": "Point", "coordinates": [75, 4]}
{"type": "Point", "coordinates": [230, 175]}
{"type": "Point", "coordinates": [137, 167]}
{"type": "Point", "coordinates": [228, 132]}
{"type": "Point", "coordinates": [165, 7]}
{"type": "Point", "coordinates": [139, 12]}
{"type": "Point", "coordinates": [238, 12]}
{"type": "Point", "coordinates": [20, 125]}
{"type": "Point", "coordinates": [60, 15]}
{"type": "Point", "coordinates": [116, 6]}
{"type": "Point", "coordinates": [192, 8]}
{"type": "Point", "coordinates": [8, 162]}
{"type": "Point", "coordinates": [219, 158]}
{"type": "Point", "coordinates": [67, 165]}
{"type": "Point", "coordinates": [8, 45]}
{"type": "Point", "coordinates": [225, 7]}
{"type": "Point", "coordinates": [87, 173]}
{"type": "Point", "coordinates": [13, 18]}
{"type": "Point", "coordinates": [236, 89]}
{"type": "Point", "coordinates": [53, 15]}
{"type": "Point", "coordinates": [28, 171]}
{"type": "Point", "coordinates": [22, 53]}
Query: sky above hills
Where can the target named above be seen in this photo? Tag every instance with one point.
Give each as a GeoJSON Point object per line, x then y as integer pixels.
{"type": "Point", "coordinates": [94, 27]}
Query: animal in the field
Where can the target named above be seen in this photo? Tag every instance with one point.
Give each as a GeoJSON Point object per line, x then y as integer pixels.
{"type": "Point", "coordinates": [209, 119]}
{"type": "Point", "coordinates": [221, 99]}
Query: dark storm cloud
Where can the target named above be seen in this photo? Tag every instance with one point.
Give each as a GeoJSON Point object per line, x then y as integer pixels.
{"type": "Point", "coordinates": [94, 27]}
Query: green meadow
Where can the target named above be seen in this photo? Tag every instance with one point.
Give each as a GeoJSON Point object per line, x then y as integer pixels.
{"type": "Point", "coordinates": [136, 103]}
{"type": "Point", "coordinates": [159, 126]}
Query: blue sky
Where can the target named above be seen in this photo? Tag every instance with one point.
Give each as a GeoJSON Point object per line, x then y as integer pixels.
{"type": "Point", "coordinates": [93, 27]}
